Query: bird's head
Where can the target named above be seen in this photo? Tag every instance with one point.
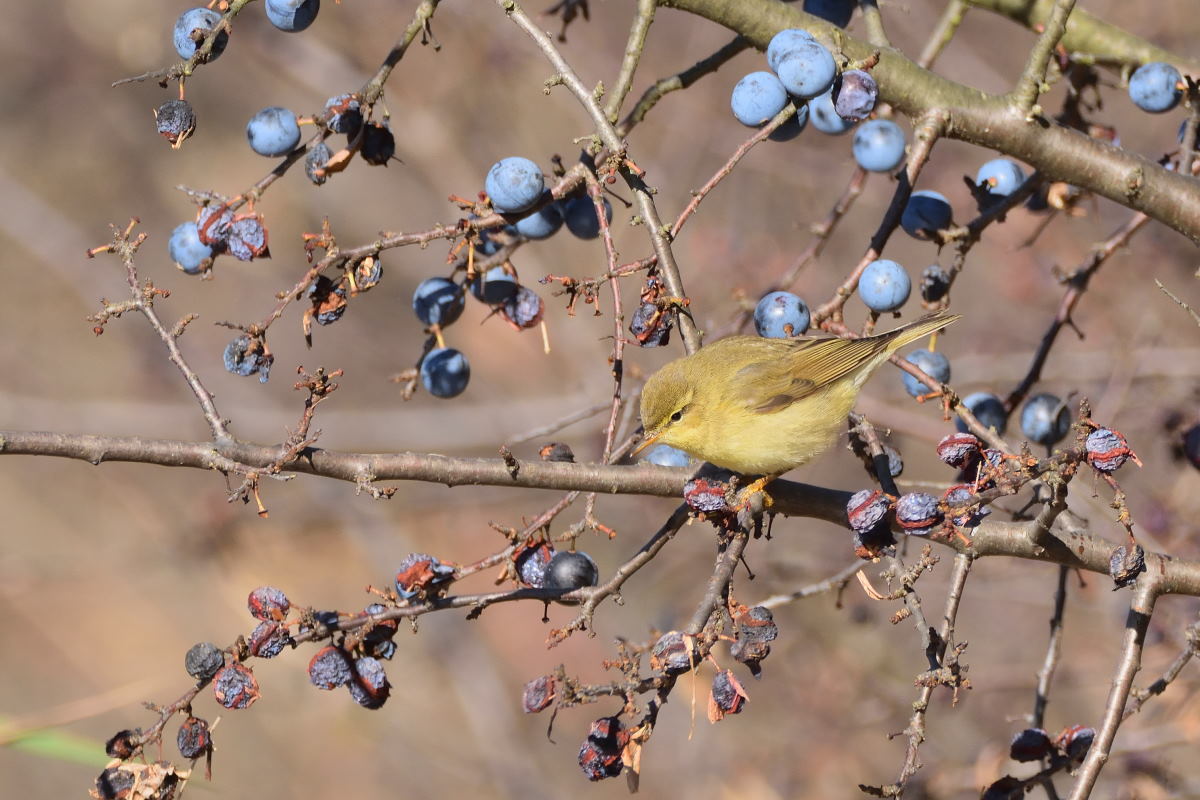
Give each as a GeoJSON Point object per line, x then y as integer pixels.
{"type": "Point", "coordinates": [668, 399]}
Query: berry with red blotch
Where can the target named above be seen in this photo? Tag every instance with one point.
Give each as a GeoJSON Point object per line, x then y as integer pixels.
{"type": "Point", "coordinates": [959, 449]}
{"type": "Point", "coordinates": [370, 687]}
{"type": "Point", "coordinates": [600, 754]}
{"type": "Point", "coordinates": [523, 310]}
{"type": "Point", "coordinates": [268, 603]}
{"type": "Point", "coordinates": [727, 696]}
{"type": "Point", "coordinates": [194, 738]}
{"type": "Point", "coordinates": [421, 574]}
{"type": "Point", "coordinates": [247, 238]}
{"type": "Point", "coordinates": [531, 560]}
{"type": "Point", "coordinates": [918, 513]}
{"type": "Point", "coordinates": [123, 744]}
{"type": "Point", "coordinates": [235, 687]}
{"type": "Point", "coordinates": [268, 639]}
{"type": "Point", "coordinates": [1074, 741]}
{"type": "Point", "coordinates": [213, 222]}
{"type": "Point", "coordinates": [330, 668]}
{"type": "Point", "coordinates": [1125, 564]}
{"type": "Point", "coordinates": [866, 509]}
{"type": "Point", "coordinates": [674, 653]}
{"type": "Point", "coordinates": [1107, 450]}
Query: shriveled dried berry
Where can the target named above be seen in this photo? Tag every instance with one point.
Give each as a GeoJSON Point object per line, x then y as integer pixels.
{"type": "Point", "coordinates": [328, 300]}
{"type": "Point", "coordinates": [918, 513]}
{"type": "Point", "coordinates": [203, 660]}
{"type": "Point", "coordinates": [651, 326]}
{"type": "Point", "coordinates": [212, 225]}
{"type": "Point", "coordinates": [377, 641]}
{"type": "Point", "coordinates": [953, 501]}
{"type": "Point", "coordinates": [935, 283]}
{"type": "Point", "coordinates": [367, 274]}
{"type": "Point", "coordinates": [556, 451]}
{"type": "Point", "coordinates": [1074, 741]}
{"type": "Point", "coordinates": [673, 653]}
{"type": "Point", "coordinates": [370, 687]}
{"type": "Point", "coordinates": [531, 560]}
{"type": "Point", "coordinates": [1031, 744]}
{"type": "Point", "coordinates": [330, 668]}
{"type": "Point", "coordinates": [247, 238]}
{"type": "Point", "coordinates": [268, 639]}
{"type": "Point", "coordinates": [1191, 445]}
{"type": "Point", "coordinates": [378, 144]}
{"type": "Point", "coordinates": [343, 114]}
{"type": "Point", "coordinates": [193, 739]}
{"type": "Point", "coordinates": [1125, 564]}
{"type": "Point", "coordinates": [958, 449]}
{"type": "Point", "coordinates": [1007, 788]}
{"type": "Point", "coordinates": [524, 309]}
{"type": "Point", "coordinates": [315, 163]}
{"type": "Point", "coordinates": [539, 693]}
{"type": "Point", "coordinates": [1107, 450]}
{"type": "Point", "coordinates": [122, 743]}
{"type": "Point", "coordinates": [419, 574]}
{"type": "Point", "coordinates": [245, 356]}
{"type": "Point", "coordinates": [267, 602]}
{"type": "Point", "coordinates": [706, 495]}
{"type": "Point", "coordinates": [114, 783]}
{"type": "Point", "coordinates": [600, 755]}
{"type": "Point", "coordinates": [727, 696]}
{"type": "Point", "coordinates": [866, 509]}
{"type": "Point", "coordinates": [235, 687]}
{"type": "Point", "coordinates": [757, 624]}
{"type": "Point", "coordinates": [176, 121]}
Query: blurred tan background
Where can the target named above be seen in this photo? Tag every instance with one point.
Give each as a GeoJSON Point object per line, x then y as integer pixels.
{"type": "Point", "coordinates": [109, 574]}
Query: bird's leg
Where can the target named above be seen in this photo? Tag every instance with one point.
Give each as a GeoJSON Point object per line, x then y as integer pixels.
{"type": "Point", "coordinates": [746, 495]}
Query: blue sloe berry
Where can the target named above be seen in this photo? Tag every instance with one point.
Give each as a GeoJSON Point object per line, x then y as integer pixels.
{"type": "Point", "coordinates": [579, 214]}
{"type": "Point", "coordinates": [273, 132]}
{"type": "Point", "coordinates": [186, 249]}
{"type": "Point", "coordinates": [926, 213]}
{"type": "Point", "coordinates": [879, 145]}
{"type": "Point", "coordinates": [792, 127]}
{"type": "Point", "coordinates": [780, 315]}
{"type": "Point", "coordinates": [783, 42]}
{"type": "Point", "coordinates": [514, 184]}
{"type": "Point", "coordinates": [192, 27]}
{"type": "Point", "coordinates": [494, 287]}
{"type": "Point", "coordinates": [292, 16]}
{"type": "Point", "coordinates": [541, 224]}
{"type": "Point", "coordinates": [988, 409]}
{"type": "Point", "coordinates": [854, 95]}
{"type": "Point", "coordinates": [1155, 87]}
{"type": "Point", "coordinates": [757, 98]}
{"type": "Point", "coordinates": [835, 12]}
{"type": "Point", "coordinates": [523, 309]}
{"type": "Point", "coordinates": [438, 301]}
{"type": "Point", "coordinates": [1045, 419]}
{"type": "Point", "coordinates": [445, 372]}
{"type": "Point", "coordinates": [825, 117]}
{"type": "Point", "coordinates": [1031, 744]}
{"type": "Point", "coordinates": [571, 570]}
{"type": "Point", "coordinates": [1000, 177]}
{"type": "Point", "coordinates": [884, 285]}
{"type": "Point", "coordinates": [933, 363]}
{"type": "Point", "coordinates": [806, 70]}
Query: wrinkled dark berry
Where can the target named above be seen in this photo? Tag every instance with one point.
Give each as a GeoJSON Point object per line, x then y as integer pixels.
{"type": "Point", "coordinates": [193, 738]}
{"type": "Point", "coordinates": [121, 744]}
{"type": "Point", "coordinates": [370, 687]}
{"type": "Point", "coordinates": [600, 755]}
{"type": "Point", "coordinates": [705, 495]}
{"type": "Point", "coordinates": [524, 309]}
{"type": "Point", "coordinates": [377, 640]}
{"type": "Point", "coordinates": [419, 572]}
{"type": "Point", "coordinates": [176, 121]}
{"type": "Point", "coordinates": [651, 326]}
{"type": "Point", "coordinates": [539, 693]}
{"type": "Point", "coordinates": [727, 695]}
{"type": "Point", "coordinates": [531, 561]}
{"type": "Point", "coordinates": [935, 283]}
{"type": "Point", "coordinates": [570, 571]}
{"type": "Point", "coordinates": [378, 145]}
{"type": "Point", "coordinates": [328, 300]}
{"type": "Point", "coordinates": [867, 509]}
{"type": "Point", "coordinates": [1107, 450]}
{"type": "Point", "coordinates": [114, 784]}
{"type": "Point", "coordinates": [247, 238]}
{"type": "Point", "coordinates": [1031, 744]}
{"type": "Point", "coordinates": [1007, 788]}
{"type": "Point", "coordinates": [212, 225]}
{"type": "Point", "coordinates": [330, 668]}
{"type": "Point", "coordinates": [267, 602]}
{"type": "Point", "coordinates": [367, 273]}
{"type": "Point", "coordinates": [245, 356]}
{"type": "Point", "coordinates": [343, 114]}
{"type": "Point", "coordinates": [268, 639]}
{"type": "Point", "coordinates": [1125, 564]}
{"type": "Point", "coordinates": [1191, 445]}
{"type": "Point", "coordinates": [203, 660]}
{"type": "Point", "coordinates": [918, 513]}
{"type": "Point", "coordinates": [757, 624]}
{"type": "Point", "coordinates": [958, 449]}
{"type": "Point", "coordinates": [557, 451]}
{"type": "Point", "coordinates": [673, 653]}
{"type": "Point", "coordinates": [315, 163]}
{"type": "Point", "coordinates": [1074, 741]}
{"type": "Point", "coordinates": [235, 687]}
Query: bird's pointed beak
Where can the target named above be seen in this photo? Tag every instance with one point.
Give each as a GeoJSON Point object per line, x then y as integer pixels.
{"type": "Point", "coordinates": [650, 438]}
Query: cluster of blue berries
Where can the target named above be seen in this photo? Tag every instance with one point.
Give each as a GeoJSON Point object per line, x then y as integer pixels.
{"type": "Point", "coordinates": [803, 72]}
{"type": "Point", "coordinates": [194, 25]}
{"type": "Point", "coordinates": [217, 229]}
{"type": "Point", "coordinates": [515, 185]}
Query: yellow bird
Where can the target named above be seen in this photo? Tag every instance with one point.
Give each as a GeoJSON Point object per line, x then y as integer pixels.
{"type": "Point", "coordinates": [763, 406]}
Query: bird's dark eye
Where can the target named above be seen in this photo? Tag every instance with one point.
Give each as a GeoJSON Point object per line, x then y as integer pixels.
{"type": "Point", "coordinates": [678, 415]}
